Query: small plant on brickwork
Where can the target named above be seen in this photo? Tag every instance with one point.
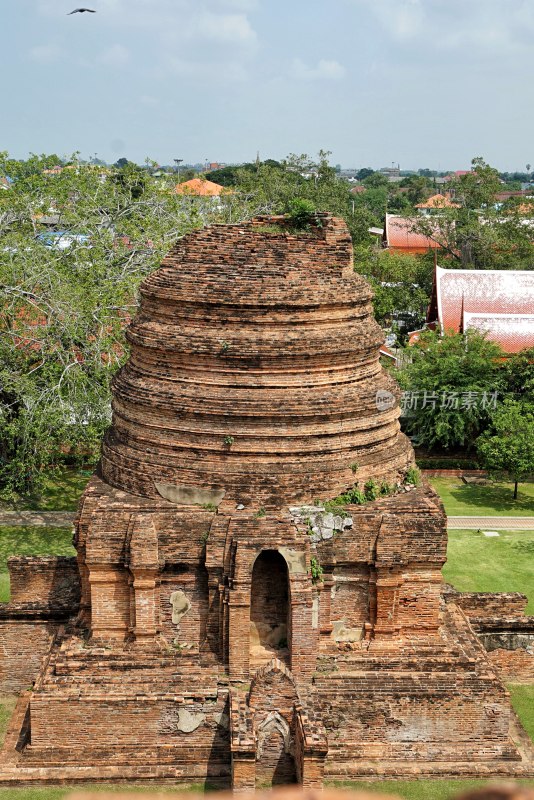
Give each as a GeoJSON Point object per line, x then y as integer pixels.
{"type": "Point", "coordinates": [225, 346]}
{"type": "Point", "coordinates": [386, 489]}
{"type": "Point", "coordinates": [274, 228]}
{"type": "Point", "coordinates": [301, 214]}
{"type": "Point", "coordinates": [228, 441]}
{"type": "Point", "coordinates": [260, 512]}
{"type": "Point", "coordinates": [334, 506]}
{"type": "Point", "coordinates": [209, 506]}
{"type": "Point", "coordinates": [204, 537]}
{"type": "Point", "coordinates": [316, 570]}
{"type": "Point", "coordinates": [354, 497]}
{"type": "Point", "coordinates": [355, 466]}
{"type": "Point", "coordinates": [413, 476]}
{"type": "Point", "coordinates": [371, 489]}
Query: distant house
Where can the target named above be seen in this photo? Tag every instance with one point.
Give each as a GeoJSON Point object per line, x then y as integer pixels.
{"type": "Point", "coordinates": [435, 203]}
{"type": "Point", "coordinates": [388, 356]}
{"type": "Point", "coordinates": [399, 236]}
{"type": "Point", "coordinates": [497, 302]}
{"type": "Point", "coordinates": [459, 173]}
{"type": "Point", "coordinates": [5, 183]}
{"type": "Point", "coordinates": [198, 187]}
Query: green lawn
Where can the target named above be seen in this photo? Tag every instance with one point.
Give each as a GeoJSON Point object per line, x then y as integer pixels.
{"type": "Point", "coordinates": [57, 792]}
{"type": "Point", "coordinates": [61, 492]}
{"type": "Point", "coordinates": [419, 789]}
{"type": "Point", "coordinates": [493, 500]}
{"type": "Point", "coordinates": [501, 564]}
{"type": "Point", "coordinates": [523, 702]}
{"type": "Point", "coordinates": [411, 790]}
{"type": "Point", "coordinates": [28, 541]}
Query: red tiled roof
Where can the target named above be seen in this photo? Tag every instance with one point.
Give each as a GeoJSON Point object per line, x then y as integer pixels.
{"type": "Point", "coordinates": [400, 236]}
{"type": "Point", "coordinates": [438, 201]}
{"type": "Point", "coordinates": [200, 188]}
{"type": "Point", "coordinates": [498, 301]}
{"type": "Point", "coordinates": [513, 332]}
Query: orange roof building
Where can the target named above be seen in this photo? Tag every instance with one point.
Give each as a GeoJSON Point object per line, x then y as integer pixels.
{"type": "Point", "coordinates": [399, 235]}
{"type": "Point", "coordinates": [437, 202]}
{"type": "Point", "coordinates": [199, 187]}
{"type": "Point", "coordinates": [497, 302]}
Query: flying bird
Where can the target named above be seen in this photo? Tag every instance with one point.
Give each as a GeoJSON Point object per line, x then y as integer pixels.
{"type": "Point", "coordinates": [81, 11]}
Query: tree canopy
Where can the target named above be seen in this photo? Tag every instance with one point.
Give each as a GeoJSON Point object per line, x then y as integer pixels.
{"type": "Point", "coordinates": [508, 446]}
{"type": "Point", "coordinates": [479, 231]}
{"type": "Point", "coordinates": [450, 386]}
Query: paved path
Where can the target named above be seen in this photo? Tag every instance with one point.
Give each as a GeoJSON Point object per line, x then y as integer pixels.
{"type": "Point", "coordinates": [54, 519]}
{"type": "Point", "coordinates": [492, 523]}
{"type": "Point", "coordinates": [64, 519]}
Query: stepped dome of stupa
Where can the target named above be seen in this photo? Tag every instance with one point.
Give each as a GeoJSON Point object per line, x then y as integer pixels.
{"type": "Point", "coordinates": [254, 372]}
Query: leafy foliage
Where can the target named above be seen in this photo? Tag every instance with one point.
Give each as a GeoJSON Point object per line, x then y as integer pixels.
{"type": "Point", "coordinates": [401, 283]}
{"type": "Point", "coordinates": [447, 380]}
{"type": "Point", "coordinates": [479, 232]}
{"type": "Point", "coordinates": [508, 448]}
{"type": "Point", "coordinates": [316, 570]}
{"type": "Point", "coordinates": [64, 302]}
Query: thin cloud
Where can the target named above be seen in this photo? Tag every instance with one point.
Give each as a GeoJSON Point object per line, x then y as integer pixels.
{"type": "Point", "coordinates": [209, 72]}
{"type": "Point", "coordinates": [45, 53]}
{"type": "Point", "coordinates": [455, 24]}
{"type": "Point", "coordinates": [115, 56]}
{"type": "Point", "coordinates": [233, 29]}
{"type": "Point", "coordinates": [323, 70]}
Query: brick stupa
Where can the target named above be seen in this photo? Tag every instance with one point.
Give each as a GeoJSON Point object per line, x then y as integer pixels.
{"type": "Point", "coordinates": [230, 628]}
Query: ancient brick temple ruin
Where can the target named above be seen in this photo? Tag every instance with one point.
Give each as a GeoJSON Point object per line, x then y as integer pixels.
{"type": "Point", "coordinates": [220, 624]}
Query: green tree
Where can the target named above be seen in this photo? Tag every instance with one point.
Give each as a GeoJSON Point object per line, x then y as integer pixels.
{"type": "Point", "coordinates": [401, 283]}
{"type": "Point", "coordinates": [63, 311]}
{"type": "Point", "coordinates": [508, 448]}
{"type": "Point", "coordinates": [450, 384]}
{"type": "Point", "coordinates": [518, 376]}
{"type": "Point", "coordinates": [417, 188]}
{"type": "Point", "coordinates": [478, 232]}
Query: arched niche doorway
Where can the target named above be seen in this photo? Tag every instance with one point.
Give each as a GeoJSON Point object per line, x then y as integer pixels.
{"type": "Point", "coordinates": [269, 609]}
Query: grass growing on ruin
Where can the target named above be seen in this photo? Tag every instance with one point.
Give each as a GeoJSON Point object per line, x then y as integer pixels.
{"type": "Point", "coordinates": [29, 541]}
{"type": "Point", "coordinates": [523, 703]}
{"type": "Point", "coordinates": [505, 563]}
{"type": "Point", "coordinates": [7, 706]}
{"type": "Point", "coordinates": [493, 500]}
{"type": "Point", "coordinates": [61, 492]}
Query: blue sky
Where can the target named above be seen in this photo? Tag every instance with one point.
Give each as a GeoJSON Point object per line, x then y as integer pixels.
{"type": "Point", "coordinates": [425, 83]}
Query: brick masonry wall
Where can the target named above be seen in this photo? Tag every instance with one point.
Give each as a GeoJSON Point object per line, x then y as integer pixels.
{"type": "Point", "coordinates": [265, 339]}
{"type": "Point", "coordinates": [514, 666]}
{"type": "Point", "coordinates": [487, 604]}
{"type": "Point", "coordinates": [47, 580]}
{"type": "Point", "coordinates": [23, 646]}
{"type": "Point", "coordinates": [278, 355]}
